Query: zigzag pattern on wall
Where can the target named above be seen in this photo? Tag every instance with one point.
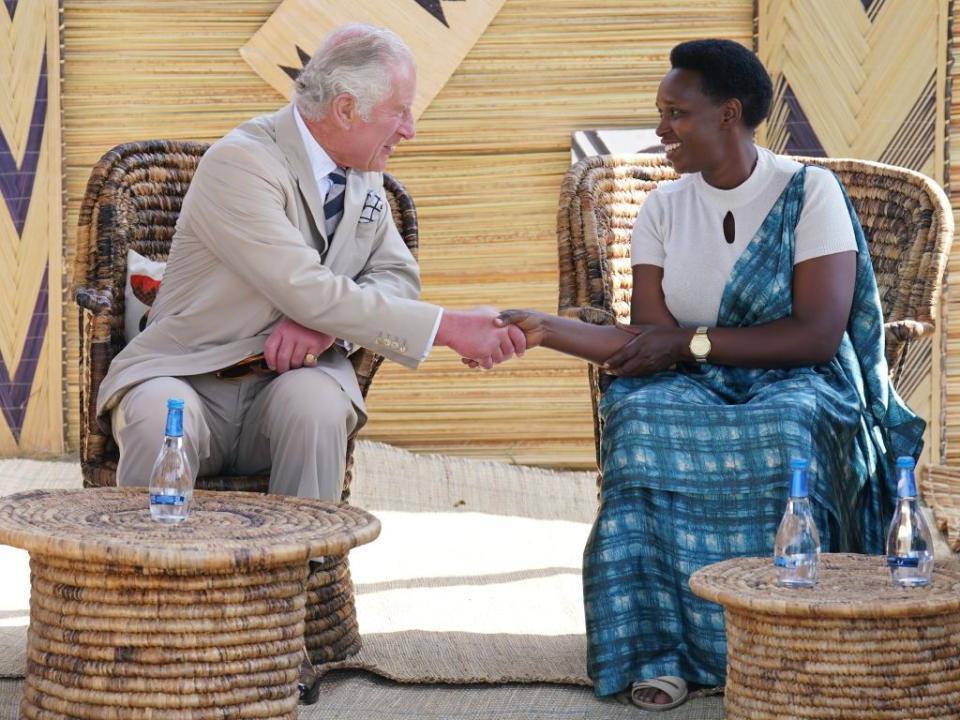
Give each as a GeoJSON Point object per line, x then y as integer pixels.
{"type": "Point", "coordinates": [23, 123]}
{"type": "Point", "coordinates": [856, 80]}
{"type": "Point", "coordinates": [852, 79]}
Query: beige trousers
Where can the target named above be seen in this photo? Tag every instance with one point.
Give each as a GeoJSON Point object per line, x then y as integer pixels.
{"type": "Point", "coordinates": [294, 426]}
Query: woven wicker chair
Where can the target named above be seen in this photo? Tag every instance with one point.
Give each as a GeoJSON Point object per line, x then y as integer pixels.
{"type": "Point", "coordinates": [905, 216]}
{"type": "Point", "coordinates": [132, 201]}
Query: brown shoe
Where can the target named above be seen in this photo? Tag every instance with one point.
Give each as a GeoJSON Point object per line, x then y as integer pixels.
{"type": "Point", "coordinates": [309, 683]}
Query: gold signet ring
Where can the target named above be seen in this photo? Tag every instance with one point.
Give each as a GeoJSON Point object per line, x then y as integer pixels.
{"type": "Point", "coordinates": [310, 359]}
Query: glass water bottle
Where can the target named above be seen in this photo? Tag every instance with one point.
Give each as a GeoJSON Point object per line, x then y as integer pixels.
{"type": "Point", "coordinates": [171, 482]}
{"type": "Point", "coordinates": [796, 550]}
{"type": "Point", "coordinates": [909, 542]}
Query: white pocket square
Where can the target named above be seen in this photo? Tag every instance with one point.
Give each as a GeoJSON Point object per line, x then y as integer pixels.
{"type": "Point", "coordinates": [372, 207]}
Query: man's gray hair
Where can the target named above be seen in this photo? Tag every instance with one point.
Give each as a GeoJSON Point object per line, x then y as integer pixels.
{"type": "Point", "coordinates": [355, 59]}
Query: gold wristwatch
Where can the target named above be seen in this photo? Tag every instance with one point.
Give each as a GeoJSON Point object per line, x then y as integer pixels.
{"type": "Point", "coordinates": [700, 344]}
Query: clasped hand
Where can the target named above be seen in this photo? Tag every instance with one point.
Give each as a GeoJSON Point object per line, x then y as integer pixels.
{"type": "Point", "coordinates": [291, 346]}
{"type": "Point", "coordinates": [652, 348]}
{"type": "Point", "coordinates": [478, 338]}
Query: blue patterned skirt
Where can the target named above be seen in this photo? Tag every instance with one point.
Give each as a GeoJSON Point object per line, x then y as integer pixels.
{"type": "Point", "coordinates": [655, 529]}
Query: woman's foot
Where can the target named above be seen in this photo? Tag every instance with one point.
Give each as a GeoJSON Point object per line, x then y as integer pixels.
{"type": "Point", "coordinates": [662, 693]}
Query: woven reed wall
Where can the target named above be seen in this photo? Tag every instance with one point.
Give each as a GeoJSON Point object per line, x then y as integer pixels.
{"type": "Point", "coordinates": [952, 344]}
{"type": "Point", "coordinates": [870, 80]}
{"type": "Point", "coordinates": [485, 172]}
{"type": "Point", "coordinates": [31, 226]}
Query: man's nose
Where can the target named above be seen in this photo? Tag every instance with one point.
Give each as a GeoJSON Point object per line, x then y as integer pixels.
{"type": "Point", "coordinates": [407, 130]}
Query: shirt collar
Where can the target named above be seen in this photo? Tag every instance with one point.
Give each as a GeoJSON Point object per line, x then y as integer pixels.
{"type": "Point", "coordinates": [320, 163]}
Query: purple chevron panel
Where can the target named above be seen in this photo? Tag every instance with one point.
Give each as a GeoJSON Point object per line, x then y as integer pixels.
{"type": "Point", "coordinates": [15, 392]}
{"type": "Point", "coordinates": [801, 139]}
{"type": "Point", "coordinates": [16, 183]}
{"type": "Point", "coordinates": [11, 7]}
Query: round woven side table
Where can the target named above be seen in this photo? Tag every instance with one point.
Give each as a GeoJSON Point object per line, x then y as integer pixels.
{"type": "Point", "coordinates": [130, 618]}
{"type": "Point", "coordinates": [855, 646]}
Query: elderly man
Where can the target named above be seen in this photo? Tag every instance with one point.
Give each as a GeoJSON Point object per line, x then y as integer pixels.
{"type": "Point", "coordinates": [286, 245]}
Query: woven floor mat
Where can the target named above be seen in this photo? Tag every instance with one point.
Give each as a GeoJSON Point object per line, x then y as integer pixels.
{"type": "Point", "coordinates": [471, 597]}
{"type": "Point", "coordinates": [351, 695]}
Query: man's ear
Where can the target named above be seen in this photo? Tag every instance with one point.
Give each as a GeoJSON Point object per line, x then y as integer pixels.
{"type": "Point", "coordinates": [343, 110]}
{"type": "Point", "coordinates": [731, 113]}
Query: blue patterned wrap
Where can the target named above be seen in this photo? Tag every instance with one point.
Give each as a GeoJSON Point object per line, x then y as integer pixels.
{"type": "Point", "coordinates": [695, 467]}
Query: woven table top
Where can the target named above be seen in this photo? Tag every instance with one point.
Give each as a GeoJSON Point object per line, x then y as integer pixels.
{"type": "Point", "coordinates": [225, 530]}
{"type": "Point", "coordinates": [848, 586]}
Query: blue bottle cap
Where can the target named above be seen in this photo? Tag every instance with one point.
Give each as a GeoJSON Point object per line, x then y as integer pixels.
{"type": "Point", "coordinates": [906, 481]}
{"type": "Point", "coordinates": [174, 418]}
{"type": "Point", "coordinates": [799, 485]}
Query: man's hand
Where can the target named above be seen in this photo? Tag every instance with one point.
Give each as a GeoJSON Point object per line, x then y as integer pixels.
{"type": "Point", "coordinates": [481, 343]}
{"type": "Point", "coordinates": [292, 346]}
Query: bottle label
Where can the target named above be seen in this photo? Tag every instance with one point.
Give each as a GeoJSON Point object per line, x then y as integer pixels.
{"type": "Point", "coordinates": [793, 561]}
{"type": "Point", "coordinates": [902, 561]}
{"type": "Point", "coordinates": [159, 499]}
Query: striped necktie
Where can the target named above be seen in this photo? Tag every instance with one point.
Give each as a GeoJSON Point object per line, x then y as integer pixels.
{"type": "Point", "coordinates": [333, 205]}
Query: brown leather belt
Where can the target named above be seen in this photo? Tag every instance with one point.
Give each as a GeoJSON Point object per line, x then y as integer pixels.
{"type": "Point", "coordinates": [252, 365]}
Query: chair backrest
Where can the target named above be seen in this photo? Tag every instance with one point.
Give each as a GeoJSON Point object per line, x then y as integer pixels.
{"type": "Point", "coordinates": [905, 216]}
{"type": "Point", "coordinates": [132, 201]}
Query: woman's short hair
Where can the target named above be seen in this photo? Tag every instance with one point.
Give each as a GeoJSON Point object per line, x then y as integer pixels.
{"type": "Point", "coordinates": [728, 70]}
{"type": "Point", "coordinates": [355, 59]}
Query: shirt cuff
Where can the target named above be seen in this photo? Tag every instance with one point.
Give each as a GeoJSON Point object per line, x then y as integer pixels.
{"type": "Point", "coordinates": [433, 335]}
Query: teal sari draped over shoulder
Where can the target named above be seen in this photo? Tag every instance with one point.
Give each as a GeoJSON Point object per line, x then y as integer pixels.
{"type": "Point", "coordinates": [695, 467]}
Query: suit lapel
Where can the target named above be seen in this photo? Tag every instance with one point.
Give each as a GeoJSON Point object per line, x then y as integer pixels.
{"type": "Point", "coordinates": [345, 234]}
{"type": "Point", "coordinates": [289, 142]}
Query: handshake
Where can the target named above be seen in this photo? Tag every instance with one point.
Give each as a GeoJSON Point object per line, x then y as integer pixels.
{"type": "Point", "coordinates": [484, 337]}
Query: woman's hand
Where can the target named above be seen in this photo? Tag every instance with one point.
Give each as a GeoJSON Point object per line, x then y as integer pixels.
{"type": "Point", "coordinates": [652, 349]}
{"type": "Point", "coordinates": [531, 322]}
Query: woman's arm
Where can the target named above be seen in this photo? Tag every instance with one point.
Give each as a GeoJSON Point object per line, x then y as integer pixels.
{"type": "Point", "coordinates": [822, 296]}
{"type": "Point", "coordinates": [573, 337]}
{"type": "Point", "coordinates": [647, 303]}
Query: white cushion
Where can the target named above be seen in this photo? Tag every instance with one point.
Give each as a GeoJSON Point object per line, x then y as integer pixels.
{"type": "Point", "coordinates": [143, 281]}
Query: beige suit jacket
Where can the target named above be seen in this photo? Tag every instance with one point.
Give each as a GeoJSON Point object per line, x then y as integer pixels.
{"type": "Point", "coordinates": [250, 248]}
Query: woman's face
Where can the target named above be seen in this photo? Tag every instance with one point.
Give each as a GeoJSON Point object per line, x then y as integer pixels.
{"type": "Point", "coordinates": [690, 123]}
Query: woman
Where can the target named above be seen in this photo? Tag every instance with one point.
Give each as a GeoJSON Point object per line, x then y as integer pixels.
{"type": "Point", "coordinates": [756, 336]}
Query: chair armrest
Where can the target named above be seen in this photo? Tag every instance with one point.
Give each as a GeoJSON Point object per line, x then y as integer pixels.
{"type": "Point", "coordinates": [906, 330]}
{"type": "Point", "coordinates": [97, 302]}
{"type": "Point", "coordinates": [592, 315]}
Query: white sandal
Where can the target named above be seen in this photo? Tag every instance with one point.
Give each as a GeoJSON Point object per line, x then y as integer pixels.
{"type": "Point", "coordinates": [675, 688]}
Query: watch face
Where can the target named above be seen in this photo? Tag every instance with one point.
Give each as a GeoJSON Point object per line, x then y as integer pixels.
{"type": "Point", "coordinates": [700, 345]}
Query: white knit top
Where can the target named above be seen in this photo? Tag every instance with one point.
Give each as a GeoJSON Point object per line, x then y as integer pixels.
{"type": "Point", "coordinates": [680, 228]}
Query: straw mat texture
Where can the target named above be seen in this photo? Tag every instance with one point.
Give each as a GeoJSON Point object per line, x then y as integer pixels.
{"type": "Point", "coordinates": [939, 484]}
{"type": "Point", "coordinates": [359, 696]}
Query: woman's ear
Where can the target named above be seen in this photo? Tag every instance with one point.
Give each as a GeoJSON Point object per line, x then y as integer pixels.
{"type": "Point", "coordinates": [731, 113]}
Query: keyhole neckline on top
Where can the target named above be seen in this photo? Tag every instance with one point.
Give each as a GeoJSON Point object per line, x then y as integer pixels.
{"type": "Point", "coordinates": [729, 228]}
